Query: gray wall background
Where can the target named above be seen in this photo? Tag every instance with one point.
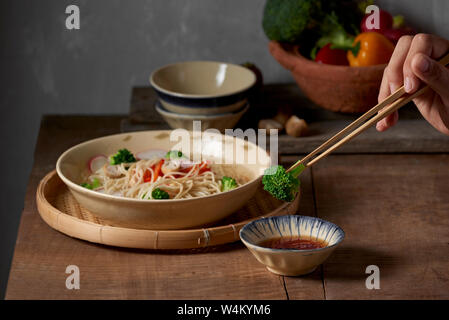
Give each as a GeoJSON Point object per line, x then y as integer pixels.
{"type": "Point", "coordinates": [45, 68]}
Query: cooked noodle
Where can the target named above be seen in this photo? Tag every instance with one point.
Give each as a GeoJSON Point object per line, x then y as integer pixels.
{"type": "Point", "coordinates": [129, 179]}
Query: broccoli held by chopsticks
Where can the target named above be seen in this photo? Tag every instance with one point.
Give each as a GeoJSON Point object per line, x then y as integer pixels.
{"type": "Point", "coordinates": [281, 184]}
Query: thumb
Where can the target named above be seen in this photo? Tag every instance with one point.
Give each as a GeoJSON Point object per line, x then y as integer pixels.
{"type": "Point", "coordinates": [432, 73]}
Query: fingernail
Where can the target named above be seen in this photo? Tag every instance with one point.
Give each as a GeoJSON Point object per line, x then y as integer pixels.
{"type": "Point", "coordinates": [408, 86]}
{"type": "Point", "coordinates": [423, 64]}
{"type": "Point", "coordinates": [379, 126]}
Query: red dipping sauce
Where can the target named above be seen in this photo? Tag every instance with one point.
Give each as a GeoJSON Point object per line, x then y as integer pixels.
{"type": "Point", "coordinates": [298, 243]}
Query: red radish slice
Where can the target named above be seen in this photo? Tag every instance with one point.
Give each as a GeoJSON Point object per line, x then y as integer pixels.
{"type": "Point", "coordinates": [151, 154]}
{"type": "Point", "coordinates": [97, 162]}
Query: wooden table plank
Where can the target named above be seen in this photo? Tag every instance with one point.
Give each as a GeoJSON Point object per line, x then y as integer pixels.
{"type": "Point", "coordinates": [412, 134]}
{"type": "Point", "coordinates": [394, 210]}
{"type": "Point", "coordinates": [407, 136]}
{"type": "Point", "coordinates": [42, 254]}
{"type": "Point", "coordinates": [310, 287]}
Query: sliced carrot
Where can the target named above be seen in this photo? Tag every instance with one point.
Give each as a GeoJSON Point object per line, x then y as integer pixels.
{"type": "Point", "coordinates": [186, 169]}
{"type": "Point", "coordinates": [147, 176]}
{"type": "Point", "coordinates": [203, 167]}
{"type": "Point", "coordinates": [157, 170]}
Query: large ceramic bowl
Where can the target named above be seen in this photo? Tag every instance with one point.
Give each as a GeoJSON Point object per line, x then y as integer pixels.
{"type": "Point", "coordinates": [166, 214]}
{"type": "Point", "coordinates": [220, 121]}
{"type": "Point", "coordinates": [291, 262]}
{"type": "Point", "coordinates": [337, 88]}
{"type": "Point", "coordinates": [203, 87]}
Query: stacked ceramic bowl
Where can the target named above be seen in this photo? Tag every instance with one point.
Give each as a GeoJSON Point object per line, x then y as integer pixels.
{"type": "Point", "coordinates": [214, 93]}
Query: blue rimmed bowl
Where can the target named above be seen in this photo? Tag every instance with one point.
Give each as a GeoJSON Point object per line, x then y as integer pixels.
{"type": "Point", "coordinates": [291, 262]}
{"type": "Point", "coordinates": [203, 87]}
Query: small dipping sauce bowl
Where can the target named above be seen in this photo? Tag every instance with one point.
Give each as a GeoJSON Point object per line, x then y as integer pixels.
{"type": "Point", "coordinates": [263, 237]}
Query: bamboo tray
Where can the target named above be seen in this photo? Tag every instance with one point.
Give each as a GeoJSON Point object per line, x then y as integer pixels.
{"type": "Point", "coordinates": [59, 209]}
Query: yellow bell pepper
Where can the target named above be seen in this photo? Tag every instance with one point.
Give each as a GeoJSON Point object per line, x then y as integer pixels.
{"type": "Point", "coordinates": [370, 48]}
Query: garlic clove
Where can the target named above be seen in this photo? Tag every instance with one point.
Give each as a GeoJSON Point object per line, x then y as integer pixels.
{"type": "Point", "coordinates": [295, 126]}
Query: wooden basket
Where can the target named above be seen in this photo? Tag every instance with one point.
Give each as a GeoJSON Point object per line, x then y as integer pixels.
{"type": "Point", "coordinates": [59, 209]}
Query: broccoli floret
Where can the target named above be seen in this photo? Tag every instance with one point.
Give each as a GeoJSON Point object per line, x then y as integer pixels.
{"type": "Point", "coordinates": [349, 13]}
{"type": "Point", "coordinates": [174, 154]}
{"type": "Point", "coordinates": [122, 156]}
{"type": "Point", "coordinates": [95, 184]}
{"type": "Point", "coordinates": [334, 33]}
{"type": "Point", "coordinates": [281, 184]}
{"type": "Point", "coordinates": [228, 183]}
{"type": "Point", "coordinates": [289, 20]}
{"type": "Point", "coordinates": [159, 194]}
{"type": "Point", "coordinates": [303, 21]}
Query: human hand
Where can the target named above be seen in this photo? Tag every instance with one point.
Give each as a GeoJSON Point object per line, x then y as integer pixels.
{"type": "Point", "coordinates": [414, 63]}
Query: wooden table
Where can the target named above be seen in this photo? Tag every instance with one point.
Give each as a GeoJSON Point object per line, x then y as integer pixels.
{"type": "Point", "coordinates": [394, 209]}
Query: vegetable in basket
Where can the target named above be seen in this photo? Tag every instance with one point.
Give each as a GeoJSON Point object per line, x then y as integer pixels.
{"type": "Point", "coordinates": [370, 48]}
{"type": "Point", "coordinates": [301, 21]}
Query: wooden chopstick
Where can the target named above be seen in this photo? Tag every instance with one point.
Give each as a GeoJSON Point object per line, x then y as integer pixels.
{"type": "Point", "coordinates": [386, 107]}
{"type": "Point", "coordinates": [382, 114]}
{"type": "Point", "coordinates": [390, 99]}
